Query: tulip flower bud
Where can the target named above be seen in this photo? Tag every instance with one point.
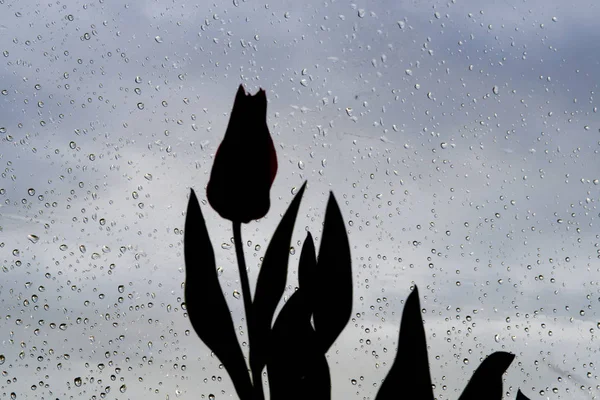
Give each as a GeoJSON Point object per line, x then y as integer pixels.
{"type": "Point", "coordinates": [245, 163]}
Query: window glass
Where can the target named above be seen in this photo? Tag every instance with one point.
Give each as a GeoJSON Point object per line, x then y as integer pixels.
{"type": "Point", "coordinates": [460, 139]}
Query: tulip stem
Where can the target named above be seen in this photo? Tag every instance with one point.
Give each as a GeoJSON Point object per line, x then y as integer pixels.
{"type": "Point", "coordinates": [247, 296]}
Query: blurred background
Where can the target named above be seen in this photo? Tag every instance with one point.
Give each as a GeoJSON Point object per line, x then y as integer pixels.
{"type": "Point", "coordinates": [460, 139]}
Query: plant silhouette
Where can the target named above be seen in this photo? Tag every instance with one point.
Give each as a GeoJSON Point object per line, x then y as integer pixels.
{"type": "Point", "coordinates": [293, 348]}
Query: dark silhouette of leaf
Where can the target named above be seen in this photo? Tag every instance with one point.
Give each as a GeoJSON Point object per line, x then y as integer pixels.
{"type": "Point", "coordinates": [297, 367]}
{"type": "Point", "coordinates": [410, 371]}
{"type": "Point", "coordinates": [271, 284]}
{"type": "Point", "coordinates": [521, 396]}
{"type": "Point", "coordinates": [486, 382]}
{"type": "Point", "coordinates": [205, 302]}
{"type": "Point", "coordinates": [333, 285]}
{"type": "Point", "coordinates": [307, 270]}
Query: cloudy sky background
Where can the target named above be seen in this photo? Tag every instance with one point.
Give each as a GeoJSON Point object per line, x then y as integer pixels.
{"type": "Point", "coordinates": [459, 138]}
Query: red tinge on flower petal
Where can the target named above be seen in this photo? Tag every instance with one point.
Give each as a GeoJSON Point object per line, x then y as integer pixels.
{"type": "Point", "coordinates": [245, 163]}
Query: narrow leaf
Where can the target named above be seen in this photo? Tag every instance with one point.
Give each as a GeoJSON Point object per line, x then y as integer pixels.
{"type": "Point", "coordinates": [307, 270]}
{"type": "Point", "coordinates": [410, 371]}
{"type": "Point", "coordinates": [521, 396]}
{"type": "Point", "coordinates": [486, 382]}
{"type": "Point", "coordinates": [333, 288]}
{"type": "Point", "coordinates": [271, 283]}
{"type": "Point", "coordinates": [205, 302]}
{"type": "Point", "coordinates": [297, 367]}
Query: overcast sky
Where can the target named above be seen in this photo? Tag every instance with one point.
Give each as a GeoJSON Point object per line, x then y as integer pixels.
{"type": "Point", "coordinates": [460, 139]}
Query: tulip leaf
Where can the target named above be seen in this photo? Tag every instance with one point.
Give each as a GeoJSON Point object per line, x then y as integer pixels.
{"type": "Point", "coordinates": [410, 371]}
{"type": "Point", "coordinates": [486, 382]}
{"type": "Point", "coordinates": [307, 270]}
{"type": "Point", "coordinates": [297, 367]}
{"type": "Point", "coordinates": [333, 288]}
{"type": "Point", "coordinates": [271, 284]}
{"type": "Point", "coordinates": [521, 396]}
{"type": "Point", "coordinates": [205, 302]}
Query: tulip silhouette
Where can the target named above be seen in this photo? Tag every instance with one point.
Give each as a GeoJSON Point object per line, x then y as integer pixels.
{"type": "Point", "coordinates": [292, 346]}
{"type": "Point", "coordinates": [245, 164]}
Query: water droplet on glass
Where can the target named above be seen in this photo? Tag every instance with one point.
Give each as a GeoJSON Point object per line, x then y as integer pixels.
{"type": "Point", "coordinates": [158, 39]}
{"type": "Point", "coordinates": [77, 381]}
{"type": "Point", "coordinates": [236, 294]}
{"type": "Point", "coordinates": [33, 238]}
{"type": "Point", "coordinates": [496, 90]}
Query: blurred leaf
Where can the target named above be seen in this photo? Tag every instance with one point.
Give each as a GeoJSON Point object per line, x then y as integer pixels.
{"type": "Point", "coordinates": [297, 367]}
{"type": "Point", "coordinates": [307, 270]}
{"type": "Point", "coordinates": [205, 302]}
{"type": "Point", "coordinates": [521, 396]}
{"type": "Point", "coordinates": [333, 283]}
{"type": "Point", "coordinates": [410, 371]}
{"type": "Point", "coordinates": [271, 283]}
{"type": "Point", "coordinates": [486, 382]}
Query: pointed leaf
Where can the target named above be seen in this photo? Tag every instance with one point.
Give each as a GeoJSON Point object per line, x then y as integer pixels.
{"type": "Point", "coordinates": [410, 371]}
{"type": "Point", "coordinates": [333, 288]}
{"type": "Point", "coordinates": [205, 302]}
{"type": "Point", "coordinates": [307, 270]}
{"type": "Point", "coordinates": [297, 367]}
{"type": "Point", "coordinates": [271, 283]}
{"type": "Point", "coordinates": [521, 396]}
{"type": "Point", "coordinates": [486, 382]}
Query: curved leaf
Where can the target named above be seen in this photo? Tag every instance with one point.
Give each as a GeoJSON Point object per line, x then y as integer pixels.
{"type": "Point", "coordinates": [271, 284]}
{"type": "Point", "coordinates": [410, 371]}
{"type": "Point", "coordinates": [307, 270]}
{"type": "Point", "coordinates": [521, 396]}
{"type": "Point", "coordinates": [486, 382]}
{"type": "Point", "coordinates": [205, 302]}
{"type": "Point", "coordinates": [333, 288]}
{"type": "Point", "coordinates": [297, 367]}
